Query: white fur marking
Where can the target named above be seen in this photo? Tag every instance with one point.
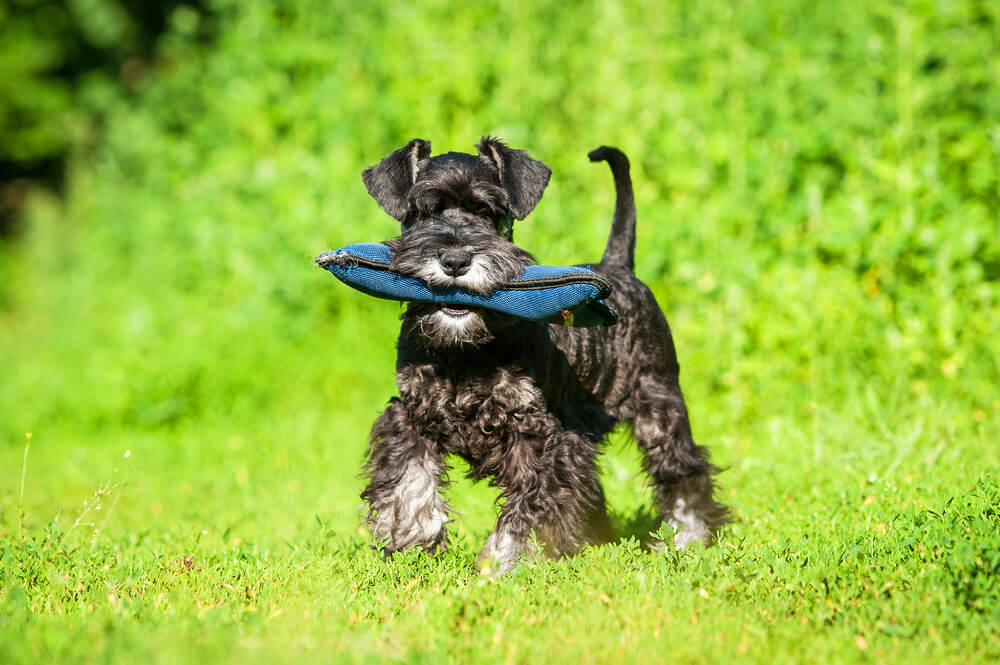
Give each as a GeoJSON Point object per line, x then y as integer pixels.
{"type": "Point", "coordinates": [434, 274]}
{"type": "Point", "coordinates": [500, 553]}
{"type": "Point", "coordinates": [477, 277]}
{"type": "Point", "coordinates": [688, 526]}
{"type": "Point", "coordinates": [417, 512]}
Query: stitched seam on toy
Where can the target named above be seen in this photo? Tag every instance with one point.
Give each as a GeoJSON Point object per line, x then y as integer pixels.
{"type": "Point", "coordinates": [538, 283]}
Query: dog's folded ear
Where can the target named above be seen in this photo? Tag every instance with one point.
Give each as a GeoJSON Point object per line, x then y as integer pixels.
{"type": "Point", "coordinates": [524, 178]}
{"type": "Point", "coordinates": [390, 180]}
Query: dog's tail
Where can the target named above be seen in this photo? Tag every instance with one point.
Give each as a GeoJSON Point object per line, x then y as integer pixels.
{"type": "Point", "coordinates": [620, 250]}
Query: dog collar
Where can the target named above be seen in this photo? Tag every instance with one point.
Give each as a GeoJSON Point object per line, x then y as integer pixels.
{"type": "Point", "coordinates": [560, 295]}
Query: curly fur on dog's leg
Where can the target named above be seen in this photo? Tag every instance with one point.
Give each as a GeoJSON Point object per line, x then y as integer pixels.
{"type": "Point", "coordinates": [405, 509]}
{"type": "Point", "coordinates": [553, 488]}
{"type": "Point", "coordinates": [579, 515]}
{"type": "Point", "coordinates": [680, 470]}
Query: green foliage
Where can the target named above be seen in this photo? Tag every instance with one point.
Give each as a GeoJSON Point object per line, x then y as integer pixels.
{"type": "Point", "coordinates": [60, 62]}
{"type": "Point", "coordinates": [818, 187]}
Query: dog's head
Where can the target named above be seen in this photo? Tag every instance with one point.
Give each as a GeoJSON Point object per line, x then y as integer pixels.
{"type": "Point", "coordinates": [457, 213]}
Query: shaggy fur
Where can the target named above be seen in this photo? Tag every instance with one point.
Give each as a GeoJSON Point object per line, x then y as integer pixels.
{"type": "Point", "coordinates": [526, 404]}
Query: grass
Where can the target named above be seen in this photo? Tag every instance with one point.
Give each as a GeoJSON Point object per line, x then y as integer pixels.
{"type": "Point", "coordinates": [817, 189]}
{"type": "Point", "coordinates": [240, 566]}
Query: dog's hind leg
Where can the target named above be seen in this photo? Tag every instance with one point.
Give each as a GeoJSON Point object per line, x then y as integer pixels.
{"type": "Point", "coordinates": [405, 471]}
{"type": "Point", "coordinates": [681, 473]}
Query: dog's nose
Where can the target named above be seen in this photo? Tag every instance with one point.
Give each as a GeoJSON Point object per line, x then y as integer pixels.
{"type": "Point", "coordinates": [456, 262]}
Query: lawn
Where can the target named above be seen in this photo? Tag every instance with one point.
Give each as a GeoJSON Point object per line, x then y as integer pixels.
{"type": "Point", "coordinates": [186, 398]}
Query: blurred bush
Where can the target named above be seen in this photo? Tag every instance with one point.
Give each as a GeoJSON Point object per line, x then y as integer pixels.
{"type": "Point", "coordinates": [59, 62]}
{"type": "Point", "coordinates": [817, 185]}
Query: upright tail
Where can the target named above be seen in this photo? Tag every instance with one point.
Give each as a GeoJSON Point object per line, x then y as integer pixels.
{"type": "Point", "coordinates": [621, 242]}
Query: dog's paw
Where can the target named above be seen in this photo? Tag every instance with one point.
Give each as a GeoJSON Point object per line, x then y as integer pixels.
{"type": "Point", "coordinates": [684, 534]}
{"type": "Point", "coordinates": [501, 554]}
{"type": "Point", "coordinates": [687, 535]}
{"type": "Point", "coordinates": [489, 564]}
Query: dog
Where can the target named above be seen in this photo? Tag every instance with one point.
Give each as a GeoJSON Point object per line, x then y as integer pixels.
{"type": "Point", "coordinates": [526, 404]}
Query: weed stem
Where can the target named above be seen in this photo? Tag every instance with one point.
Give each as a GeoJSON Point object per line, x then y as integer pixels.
{"type": "Point", "coordinates": [20, 500]}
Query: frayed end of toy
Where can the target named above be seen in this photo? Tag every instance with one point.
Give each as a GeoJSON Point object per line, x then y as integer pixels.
{"type": "Point", "coordinates": [338, 258]}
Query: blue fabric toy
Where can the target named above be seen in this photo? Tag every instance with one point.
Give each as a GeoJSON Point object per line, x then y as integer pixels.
{"type": "Point", "coordinates": [561, 295]}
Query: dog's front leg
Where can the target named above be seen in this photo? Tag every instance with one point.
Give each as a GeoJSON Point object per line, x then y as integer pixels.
{"type": "Point", "coordinates": [509, 542]}
{"type": "Point", "coordinates": [405, 471]}
{"type": "Point", "coordinates": [550, 485]}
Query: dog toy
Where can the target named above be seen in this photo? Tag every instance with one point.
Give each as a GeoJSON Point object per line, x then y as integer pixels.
{"type": "Point", "coordinates": [560, 295]}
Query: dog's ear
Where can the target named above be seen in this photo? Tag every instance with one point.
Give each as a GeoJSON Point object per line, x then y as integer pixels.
{"type": "Point", "coordinates": [390, 180]}
{"type": "Point", "coordinates": [524, 178]}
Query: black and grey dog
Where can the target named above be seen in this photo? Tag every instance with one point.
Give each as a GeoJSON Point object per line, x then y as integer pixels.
{"type": "Point", "coordinates": [526, 404]}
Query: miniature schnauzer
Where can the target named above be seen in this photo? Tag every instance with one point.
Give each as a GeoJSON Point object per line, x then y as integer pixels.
{"type": "Point", "coordinates": [526, 404]}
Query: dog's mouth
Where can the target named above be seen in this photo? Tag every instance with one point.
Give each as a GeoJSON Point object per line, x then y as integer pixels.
{"type": "Point", "coordinates": [448, 325]}
{"type": "Point", "coordinates": [455, 311]}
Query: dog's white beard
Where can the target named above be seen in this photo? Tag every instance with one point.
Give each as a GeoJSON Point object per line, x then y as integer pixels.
{"type": "Point", "coordinates": [444, 330]}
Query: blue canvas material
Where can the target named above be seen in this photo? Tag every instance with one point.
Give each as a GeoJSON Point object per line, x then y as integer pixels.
{"type": "Point", "coordinates": [562, 295]}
